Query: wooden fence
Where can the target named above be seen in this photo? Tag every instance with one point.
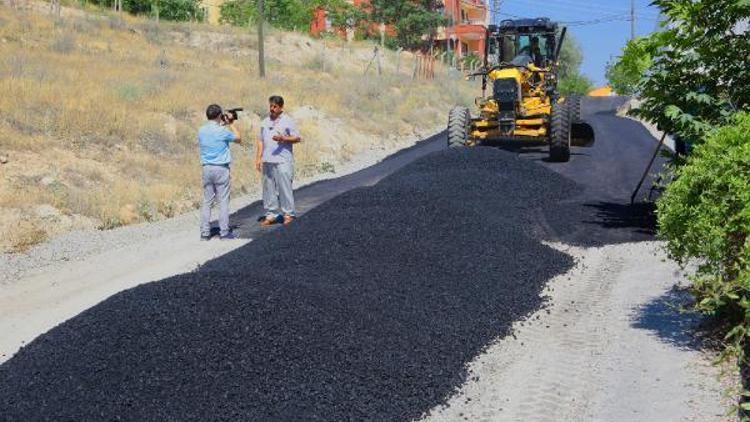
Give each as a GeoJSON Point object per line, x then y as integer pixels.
{"type": "Point", "coordinates": [424, 67]}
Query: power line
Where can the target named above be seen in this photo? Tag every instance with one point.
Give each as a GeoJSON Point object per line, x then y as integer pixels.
{"type": "Point", "coordinates": [632, 19]}
{"type": "Point", "coordinates": [572, 10]}
{"type": "Point", "coordinates": [569, 7]}
{"type": "Point", "coordinates": [603, 19]}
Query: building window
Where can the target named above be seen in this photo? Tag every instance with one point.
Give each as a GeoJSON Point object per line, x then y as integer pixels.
{"type": "Point", "coordinates": [329, 23]}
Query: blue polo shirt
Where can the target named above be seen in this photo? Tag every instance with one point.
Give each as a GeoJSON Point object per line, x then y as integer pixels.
{"type": "Point", "coordinates": [214, 140]}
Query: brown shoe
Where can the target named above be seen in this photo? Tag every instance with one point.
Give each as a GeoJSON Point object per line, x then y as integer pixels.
{"type": "Point", "coordinates": [267, 222]}
{"type": "Point", "coordinates": [288, 220]}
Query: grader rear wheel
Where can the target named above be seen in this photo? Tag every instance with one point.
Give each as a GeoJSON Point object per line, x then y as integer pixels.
{"type": "Point", "coordinates": [574, 106]}
{"type": "Point", "coordinates": [459, 120]}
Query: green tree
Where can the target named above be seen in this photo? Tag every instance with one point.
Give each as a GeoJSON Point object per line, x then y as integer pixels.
{"type": "Point", "coordinates": [699, 76]}
{"type": "Point", "coordinates": [284, 14]}
{"type": "Point", "coordinates": [575, 84]}
{"type": "Point", "coordinates": [571, 56]}
{"type": "Point", "coordinates": [344, 14]}
{"type": "Point", "coordinates": [571, 79]}
{"type": "Point", "coordinates": [626, 72]}
{"type": "Point", "coordinates": [175, 10]}
{"type": "Point", "coordinates": [290, 14]}
{"type": "Point", "coordinates": [412, 20]}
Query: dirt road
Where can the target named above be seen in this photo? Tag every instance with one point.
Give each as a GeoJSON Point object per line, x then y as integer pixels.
{"type": "Point", "coordinates": [613, 345]}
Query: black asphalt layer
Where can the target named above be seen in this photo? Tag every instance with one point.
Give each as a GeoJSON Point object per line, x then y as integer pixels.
{"type": "Point", "coordinates": [608, 173]}
{"type": "Point", "coordinates": [367, 308]}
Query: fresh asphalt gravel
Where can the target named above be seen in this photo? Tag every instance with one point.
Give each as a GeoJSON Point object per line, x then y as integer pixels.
{"type": "Point", "coordinates": [367, 308]}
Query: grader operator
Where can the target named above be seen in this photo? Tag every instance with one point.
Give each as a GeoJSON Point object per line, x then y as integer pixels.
{"type": "Point", "coordinates": [521, 66]}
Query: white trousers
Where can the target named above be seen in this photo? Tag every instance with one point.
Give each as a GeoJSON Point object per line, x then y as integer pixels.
{"type": "Point", "coordinates": [278, 196]}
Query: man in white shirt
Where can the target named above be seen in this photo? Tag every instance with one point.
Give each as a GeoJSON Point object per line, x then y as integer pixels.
{"type": "Point", "coordinates": [274, 157]}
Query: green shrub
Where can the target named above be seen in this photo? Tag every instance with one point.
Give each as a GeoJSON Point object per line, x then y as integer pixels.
{"type": "Point", "coordinates": [704, 216]}
{"type": "Point", "coordinates": [176, 10]}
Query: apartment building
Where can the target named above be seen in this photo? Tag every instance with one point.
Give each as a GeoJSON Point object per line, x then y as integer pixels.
{"type": "Point", "coordinates": [464, 34]}
{"type": "Point", "coordinates": [467, 25]}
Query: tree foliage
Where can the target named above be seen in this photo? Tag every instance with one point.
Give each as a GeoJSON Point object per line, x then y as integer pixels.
{"type": "Point", "coordinates": [176, 10]}
{"type": "Point", "coordinates": [571, 79]}
{"type": "Point", "coordinates": [571, 56]}
{"type": "Point", "coordinates": [699, 76]}
{"type": "Point", "coordinates": [285, 14]}
{"type": "Point", "coordinates": [574, 84]}
{"type": "Point", "coordinates": [411, 20]}
{"type": "Point", "coordinates": [291, 14]}
{"type": "Point", "coordinates": [343, 14]}
{"type": "Point", "coordinates": [626, 72]}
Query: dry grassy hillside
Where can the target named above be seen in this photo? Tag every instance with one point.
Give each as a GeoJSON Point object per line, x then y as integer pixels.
{"type": "Point", "coordinates": [98, 113]}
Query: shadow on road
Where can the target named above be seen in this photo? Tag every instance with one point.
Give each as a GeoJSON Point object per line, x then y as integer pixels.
{"type": "Point", "coordinates": [639, 217]}
{"type": "Point", "coordinates": [669, 318]}
{"type": "Point", "coordinates": [589, 223]}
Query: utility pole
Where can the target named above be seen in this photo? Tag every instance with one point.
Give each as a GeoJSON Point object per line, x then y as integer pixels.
{"type": "Point", "coordinates": [261, 52]}
{"type": "Point", "coordinates": [632, 19]}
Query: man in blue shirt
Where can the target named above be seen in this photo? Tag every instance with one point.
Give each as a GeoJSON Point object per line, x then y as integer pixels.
{"type": "Point", "coordinates": [274, 158]}
{"type": "Point", "coordinates": [214, 138]}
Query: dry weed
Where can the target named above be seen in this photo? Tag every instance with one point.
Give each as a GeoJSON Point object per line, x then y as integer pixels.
{"type": "Point", "coordinates": [26, 234]}
{"type": "Point", "coordinates": [108, 106]}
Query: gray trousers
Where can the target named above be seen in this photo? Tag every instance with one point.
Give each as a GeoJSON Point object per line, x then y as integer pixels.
{"type": "Point", "coordinates": [278, 196]}
{"type": "Point", "coordinates": [215, 186]}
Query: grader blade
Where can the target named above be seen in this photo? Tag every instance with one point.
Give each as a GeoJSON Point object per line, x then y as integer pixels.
{"type": "Point", "coordinates": [582, 135]}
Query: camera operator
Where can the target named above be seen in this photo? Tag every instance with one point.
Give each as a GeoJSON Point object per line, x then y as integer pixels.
{"type": "Point", "coordinates": [214, 138]}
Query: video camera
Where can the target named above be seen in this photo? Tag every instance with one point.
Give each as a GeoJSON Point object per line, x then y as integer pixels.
{"type": "Point", "coordinates": [230, 115]}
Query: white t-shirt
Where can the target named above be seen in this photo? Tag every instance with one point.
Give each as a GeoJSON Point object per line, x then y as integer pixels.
{"type": "Point", "coordinates": [277, 152]}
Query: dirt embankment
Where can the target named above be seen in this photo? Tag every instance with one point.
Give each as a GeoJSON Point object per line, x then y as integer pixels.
{"type": "Point", "coordinates": [99, 113]}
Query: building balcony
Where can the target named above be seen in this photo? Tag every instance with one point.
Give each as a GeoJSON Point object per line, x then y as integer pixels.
{"type": "Point", "coordinates": [466, 31]}
{"type": "Point", "coordinates": [473, 22]}
{"type": "Point", "coordinates": [474, 4]}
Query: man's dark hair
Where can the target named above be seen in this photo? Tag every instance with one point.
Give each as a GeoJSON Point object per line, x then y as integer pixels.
{"type": "Point", "coordinates": [276, 99]}
{"type": "Point", "coordinates": [213, 111]}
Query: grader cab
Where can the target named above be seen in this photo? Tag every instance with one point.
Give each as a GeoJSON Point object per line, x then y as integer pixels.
{"type": "Point", "coordinates": [521, 68]}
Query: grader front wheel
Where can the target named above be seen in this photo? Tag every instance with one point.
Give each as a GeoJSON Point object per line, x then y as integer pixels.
{"type": "Point", "coordinates": [459, 120]}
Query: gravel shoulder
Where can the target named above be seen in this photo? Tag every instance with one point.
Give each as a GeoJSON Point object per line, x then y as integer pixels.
{"type": "Point", "coordinates": [612, 345]}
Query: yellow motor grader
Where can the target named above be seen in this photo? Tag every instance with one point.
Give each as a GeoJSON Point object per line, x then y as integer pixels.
{"type": "Point", "coordinates": [521, 65]}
